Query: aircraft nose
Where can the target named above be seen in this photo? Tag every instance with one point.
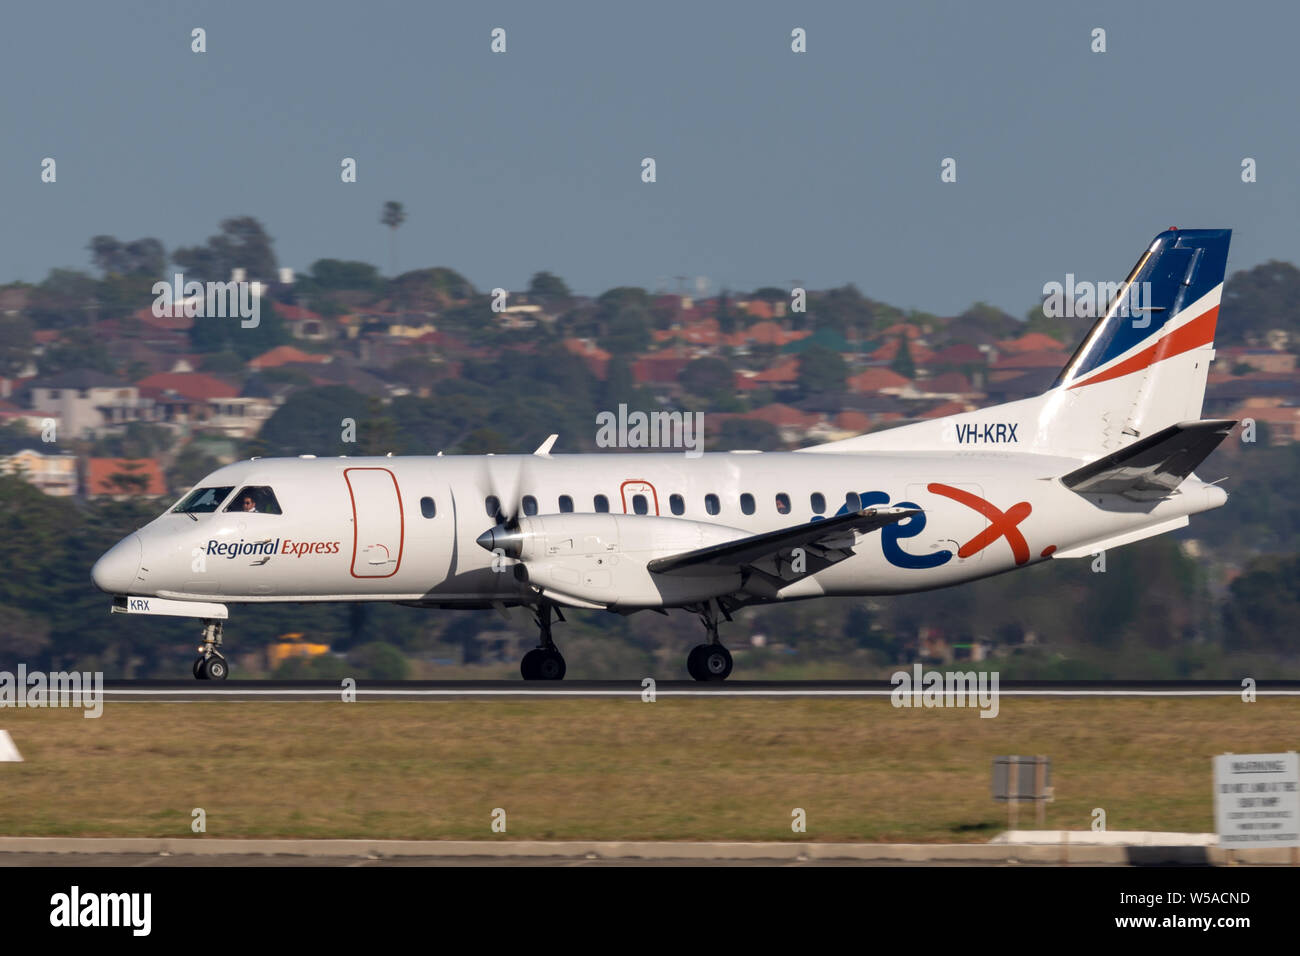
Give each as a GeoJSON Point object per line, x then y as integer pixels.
{"type": "Point", "coordinates": [117, 568]}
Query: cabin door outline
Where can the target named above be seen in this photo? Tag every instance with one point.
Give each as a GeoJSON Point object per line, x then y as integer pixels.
{"type": "Point", "coordinates": [639, 486]}
{"type": "Point", "coordinates": [374, 550]}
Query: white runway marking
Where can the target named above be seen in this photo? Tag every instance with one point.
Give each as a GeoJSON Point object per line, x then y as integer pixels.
{"type": "Point", "coordinates": [317, 694]}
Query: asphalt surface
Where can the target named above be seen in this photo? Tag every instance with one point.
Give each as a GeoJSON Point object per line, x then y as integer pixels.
{"type": "Point", "coordinates": [193, 690]}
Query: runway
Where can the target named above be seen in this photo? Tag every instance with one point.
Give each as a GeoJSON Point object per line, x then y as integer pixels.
{"type": "Point", "coordinates": [172, 691]}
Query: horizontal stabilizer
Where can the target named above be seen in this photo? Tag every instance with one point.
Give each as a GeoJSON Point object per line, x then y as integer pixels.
{"type": "Point", "coordinates": [1153, 467]}
{"type": "Point", "coordinates": [831, 533]}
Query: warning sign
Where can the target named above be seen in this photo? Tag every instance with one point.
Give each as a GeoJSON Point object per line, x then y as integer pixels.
{"type": "Point", "coordinates": [1257, 799]}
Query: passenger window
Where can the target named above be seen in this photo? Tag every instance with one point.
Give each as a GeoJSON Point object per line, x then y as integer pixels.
{"type": "Point", "coordinates": [601, 504]}
{"type": "Point", "coordinates": [677, 503]}
{"type": "Point", "coordinates": [566, 505]}
{"type": "Point", "coordinates": [427, 507]}
{"type": "Point", "coordinates": [852, 501]}
{"type": "Point", "coordinates": [259, 498]}
{"type": "Point", "coordinates": [711, 504]}
{"type": "Point", "coordinates": [640, 505]}
{"type": "Point", "coordinates": [818, 502]}
{"type": "Point", "coordinates": [530, 505]}
{"type": "Point", "coordinates": [782, 503]}
{"type": "Point", "coordinates": [747, 503]}
{"type": "Point", "coordinates": [203, 500]}
{"type": "Point", "coordinates": [492, 506]}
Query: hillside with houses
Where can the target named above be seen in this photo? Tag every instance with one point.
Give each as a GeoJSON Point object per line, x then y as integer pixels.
{"type": "Point", "coordinates": [110, 402]}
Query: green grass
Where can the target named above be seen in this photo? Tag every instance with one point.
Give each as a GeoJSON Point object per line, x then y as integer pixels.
{"type": "Point", "coordinates": [678, 769]}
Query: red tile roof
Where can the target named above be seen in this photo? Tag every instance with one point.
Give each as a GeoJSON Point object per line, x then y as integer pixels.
{"type": "Point", "coordinates": [962, 353]}
{"type": "Point", "coordinates": [1035, 359]}
{"type": "Point", "coordinates": [853, 421]}
{"type": "Point", "coordinates": [946, 409]}
{"type": "Point", "coordinates": [787, 371]}
{"type": "Point", "coordinates": [874, 379]}
{"type": "Point", "coordinates": [1032, 342]}
{"type": "Point", "coordinates": [192, 385]}
{"type": "Point", "coordinates": [782, 416]}
{"type": "Point", "coordinates": [285, 355]}
{"type": "Point", "coordinates": [100, 474]}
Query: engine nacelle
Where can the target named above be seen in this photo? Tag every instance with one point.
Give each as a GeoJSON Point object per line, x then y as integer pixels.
{"type": "Point", "coordinates": [600, 559]}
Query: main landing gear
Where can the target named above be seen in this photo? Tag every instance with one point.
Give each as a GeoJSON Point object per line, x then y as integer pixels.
{"type": "Point", "coordinates": [211, 663]}
{"type": "Point", "coordinates": [544, 662]}
{"type": "Point", "coordinates": [710, 661]}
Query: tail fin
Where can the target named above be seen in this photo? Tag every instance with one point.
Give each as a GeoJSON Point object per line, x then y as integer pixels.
{"type": "Point", "coordinates": [1147, 358]}
{"type": "Point", "coordinates": [1140, 369]}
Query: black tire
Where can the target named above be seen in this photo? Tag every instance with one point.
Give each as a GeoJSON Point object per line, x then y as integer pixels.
{"type": "Point", "coordinates": [551, 666]}
{"type": "Point", "coordinates": [693, 666]}
{"type": "Point", "coordinates": [715, 662]}
{"type": "Point", "coordinates": [198, 669]}
{"type": "Point", "coordinates": [530, 666]}
{"type": "Point", "coordinates": [215, 668]}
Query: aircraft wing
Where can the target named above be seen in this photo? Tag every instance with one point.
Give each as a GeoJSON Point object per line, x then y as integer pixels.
{"type": "Point", "coordinates": [822, 538]}
{"type": "Point", "coordinates": [1153, 467]}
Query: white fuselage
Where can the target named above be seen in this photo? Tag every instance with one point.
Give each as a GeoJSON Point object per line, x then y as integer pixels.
{"type": "Point", "coordinates": [404, 529]}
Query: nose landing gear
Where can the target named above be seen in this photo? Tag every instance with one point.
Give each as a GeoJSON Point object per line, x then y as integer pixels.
{"type": "Point", "coordinates": [211, 663]}
{"type": "Point", "coordinates": [544, 662]}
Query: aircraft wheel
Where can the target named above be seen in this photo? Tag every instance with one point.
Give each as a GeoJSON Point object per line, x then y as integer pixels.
{"type": "Point", "coordinates": [716, 662]}
{"type": "Point", "coordinates": [528, 667]}
{"type": "Point", "coordinates": [198, 669]}
{"type": "Point", "coordinates": [551, 666]}
{"type": "Point", "coordinates": [215, 668]}
{"type": "Point", "coordinates": [693, 665]}
{"type": "Point", "coordinates": [709, 662]}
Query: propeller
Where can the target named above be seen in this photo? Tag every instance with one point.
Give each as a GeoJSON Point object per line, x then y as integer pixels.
{"type": "Point", "coordinates": [503, 478]}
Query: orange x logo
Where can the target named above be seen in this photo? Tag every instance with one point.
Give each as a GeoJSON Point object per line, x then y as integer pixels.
{"type": "Point", "coordinates": [1002, 524]}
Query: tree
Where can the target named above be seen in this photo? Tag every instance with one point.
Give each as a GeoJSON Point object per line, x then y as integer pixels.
{"type": "Point", "coordinates": [140, 257]}
{"type": "Point", "coordinates": [329, 275]}
{"type": "Point", "coordinates": [310, 422]}
{"type": "Point", "coordinates": [392, 216]}
{"type": "Point", "coordinates": [241, 244]}
{"type": "Point", "coordinates": [903, 363]}
{"type": "Point", "coordinates": [746, 434]}
{"type": "Point", "coordinates": [63, 300]}
{"type": "Point", "coordinates": [707, 378]}
{"type": "Point", "coordinates": [1260, 299]}
{"type": "Point", "coordinates": [545, 284]}
{"type": "Point", "coordinates": [821, 370]}
{"type": "Point", "coordinates": [16, 344]}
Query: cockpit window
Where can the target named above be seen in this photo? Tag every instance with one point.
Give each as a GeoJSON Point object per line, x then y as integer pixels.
{"type": "Point", "coordinates": [259, 498]}
{"type": "Point", "coordinates": [203, 500]}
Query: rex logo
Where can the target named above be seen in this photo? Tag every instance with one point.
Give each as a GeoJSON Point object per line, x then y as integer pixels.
{"type": "Point", "coordinates": [1001, 524]}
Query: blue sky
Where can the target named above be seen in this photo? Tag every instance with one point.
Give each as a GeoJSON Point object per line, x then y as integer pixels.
{"type": "Point", "coordinates": [772, 166]}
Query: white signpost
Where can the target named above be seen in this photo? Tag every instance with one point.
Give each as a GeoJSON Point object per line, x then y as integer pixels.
{"type": "Point", "coordinates": [1257, 800]}
{"type": "Point", "coordinates": [8, 752]}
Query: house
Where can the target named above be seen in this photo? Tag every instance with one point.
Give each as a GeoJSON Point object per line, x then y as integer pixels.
{"type": "Point", "coordinates": [1283, 421]}
{"type": "Point", "coordinates": [597, 359]}
{"type": "Point", "coordinates": [304, 323]}
{"type": "Point", "coordinates": [286, 355]}
{"type": "Point", "coordinates": [85, 401]}
{"type": "Point", "coordinates": [54, 473]}
{"type": "Point", "coordinates": [122, 478]}
{"type": "Point", "coordinates": [881, 380]}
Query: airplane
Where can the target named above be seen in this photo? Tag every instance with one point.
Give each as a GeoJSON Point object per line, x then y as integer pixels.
{"type": "Point", "coordinates": [1103, 458]}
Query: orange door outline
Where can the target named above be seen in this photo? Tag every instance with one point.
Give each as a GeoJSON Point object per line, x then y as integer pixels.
{"type": "Point", "coordinates": [622, 490]}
